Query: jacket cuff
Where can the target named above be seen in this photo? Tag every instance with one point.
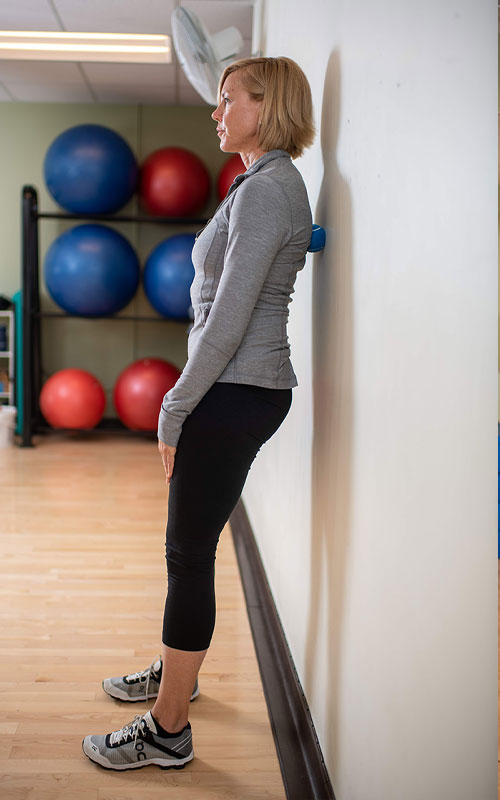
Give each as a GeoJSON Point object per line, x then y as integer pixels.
{"type": "Point", "coordinates": [169, 430]}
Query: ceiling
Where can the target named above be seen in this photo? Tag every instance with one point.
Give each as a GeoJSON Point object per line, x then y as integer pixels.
{"type": "Point", "coordinates": [80, 82]}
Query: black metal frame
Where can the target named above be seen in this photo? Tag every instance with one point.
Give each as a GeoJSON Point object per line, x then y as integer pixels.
{"type": "Point", "coordinates": [32, 314]}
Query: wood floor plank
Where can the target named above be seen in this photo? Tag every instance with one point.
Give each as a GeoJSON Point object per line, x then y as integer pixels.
{"type": "Point", "coordinates": [82, 586]}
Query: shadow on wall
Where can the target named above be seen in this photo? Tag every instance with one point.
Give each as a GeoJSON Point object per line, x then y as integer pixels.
{"type": "Point", "coordinates": [332, 342]}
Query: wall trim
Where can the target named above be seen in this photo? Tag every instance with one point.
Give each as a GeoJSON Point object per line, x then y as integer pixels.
{"type": "Point", "coordinates": [303, 769]}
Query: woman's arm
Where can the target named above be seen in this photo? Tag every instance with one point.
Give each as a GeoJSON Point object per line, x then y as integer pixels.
{"type": "Point", "coordinates": [259, 226]}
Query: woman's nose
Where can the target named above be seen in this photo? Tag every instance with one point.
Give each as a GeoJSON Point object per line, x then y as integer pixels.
{"type": "Point", "coordinates": [215, 115]}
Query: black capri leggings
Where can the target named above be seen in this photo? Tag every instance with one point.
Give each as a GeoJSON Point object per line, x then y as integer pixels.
{"type": "Point", "coordinates": [218, 443]}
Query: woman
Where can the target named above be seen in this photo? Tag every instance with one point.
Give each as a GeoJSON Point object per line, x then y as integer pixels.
{"type": "Point", "coordinates": [234, 392]}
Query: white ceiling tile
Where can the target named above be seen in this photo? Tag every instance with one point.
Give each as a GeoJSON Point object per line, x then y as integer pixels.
{"type": "Point", "coordinates": [130, 75]}
{"type": "Point", "coordinates": [246, 50]}
{"type": "Point", "coordinates": [5, 97]}
{"type": "Point", "coordinates": [41, 72]}
{"type": "Point", "coordinates": [49, 93]}
{"type": "Point", "coordinates": [142, 83]}
{"type": "Point", "coordinates": [27, 15]}
{"type": "Point", "coordinates": [190, 97]}
{"type": "Point", "coordinates": [145, 95]}
{"type": "Point", "coordinates": [116, 16]}
{"type": "Point", "coordinates": [183, 81]}
{"type": "Point", "coordinates": [188, 93]}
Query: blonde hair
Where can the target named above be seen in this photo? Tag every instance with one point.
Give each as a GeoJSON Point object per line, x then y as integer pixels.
{"type": "Point", "coordinates": [287, 115]}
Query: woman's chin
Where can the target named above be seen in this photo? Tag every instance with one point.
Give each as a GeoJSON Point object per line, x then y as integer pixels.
{"type": "Point", "coordinates": [226, 147]}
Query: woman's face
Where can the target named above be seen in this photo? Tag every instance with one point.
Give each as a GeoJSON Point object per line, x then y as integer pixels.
{"type": "Point", "coordinates": [237, 116]}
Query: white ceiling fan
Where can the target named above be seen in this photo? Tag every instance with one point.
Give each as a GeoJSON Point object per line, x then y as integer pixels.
{"type": "Point", "coordinates": [203, 56]}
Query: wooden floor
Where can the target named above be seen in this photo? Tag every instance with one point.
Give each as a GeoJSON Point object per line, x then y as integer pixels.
{"type": "Point", "coordinates": [82, 586]}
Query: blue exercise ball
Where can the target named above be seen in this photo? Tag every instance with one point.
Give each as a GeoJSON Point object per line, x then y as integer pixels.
{"type": "Point", "coordinates": [90, 169]}
{"type": "Point", "coordinates": [91, 270]}
{"type": "Point", "coordinates": [168, 276]}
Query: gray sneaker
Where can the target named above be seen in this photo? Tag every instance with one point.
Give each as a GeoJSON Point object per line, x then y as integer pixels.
{"type": "Point", "coordinates": [139, 685]}
{"type": "Point", "coordinates": [139, 744]}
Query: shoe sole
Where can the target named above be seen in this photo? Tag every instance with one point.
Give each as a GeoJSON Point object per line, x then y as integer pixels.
{"type": "Point", "coordinates": [158, 762]}
{"type": "Point", "coordinates": [126, 699]}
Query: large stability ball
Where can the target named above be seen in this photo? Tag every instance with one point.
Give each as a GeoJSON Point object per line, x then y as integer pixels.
{"type": "Point", "coordinates": [72, 398]}
{"type": "Point", "coordinates": [90, 169]}
{"type": "Point", "coordinates": [91, 270]}
{"type": "Point", "coordinates": [173, 183]}
{"type": "Point", "coordinates": [234, 166]}
{"type": "Point", "coordinates": [139, 392]}
{"type": "Point", "coordinates": [168, 275]}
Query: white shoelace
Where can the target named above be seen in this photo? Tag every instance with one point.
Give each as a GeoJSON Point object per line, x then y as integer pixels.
{"type": "Point", "coordinates": [146, 673]}
{"type": "Point", "coordinates": [131, 729]}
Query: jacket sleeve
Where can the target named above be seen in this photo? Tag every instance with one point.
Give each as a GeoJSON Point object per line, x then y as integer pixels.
{"type": "Point", "coordinates": [259, 226]}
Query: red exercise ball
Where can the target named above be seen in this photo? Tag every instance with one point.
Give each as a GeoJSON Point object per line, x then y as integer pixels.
{"type": "Point", "coordinates": [72, 398]}
{"type": "Point", "coordinates": [173, 183]}
{"type": "Point", "coordinates": [139, 391]}
{"type": "Point", "coordinates": [233, 167]}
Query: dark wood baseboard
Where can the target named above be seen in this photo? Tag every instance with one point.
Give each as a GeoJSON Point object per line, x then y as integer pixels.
{"type": "Point", "coordinates": [302, 766]}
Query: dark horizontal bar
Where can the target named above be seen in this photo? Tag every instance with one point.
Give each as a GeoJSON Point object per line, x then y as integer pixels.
{"type": "Point", "coordinates": [303, 769]}
{"type": "Point", "coordinates": [54, 314]}
{"type": "Point", "coordinates": [106, 425]}
{"type": "Point", "coordinates": [132, 218]}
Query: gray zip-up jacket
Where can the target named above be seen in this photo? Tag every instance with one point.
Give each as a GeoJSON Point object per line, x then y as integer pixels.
{"type": "Point", "coordinates": [246, 260]}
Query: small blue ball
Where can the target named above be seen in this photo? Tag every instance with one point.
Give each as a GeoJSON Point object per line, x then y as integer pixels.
{"type": "Point", "coordinates": [168, 276]}
{"type": "Point", "coordinates": [90, 169]}
{"type": "Point", "coordinates": [318, 239]}
{"type": "Point", "coordinates": [91, 270]}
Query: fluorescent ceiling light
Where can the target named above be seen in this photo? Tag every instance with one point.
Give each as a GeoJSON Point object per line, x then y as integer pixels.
{"type": "Point", "coordinates": [58, 46]}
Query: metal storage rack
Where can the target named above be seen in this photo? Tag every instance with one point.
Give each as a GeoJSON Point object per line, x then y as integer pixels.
{"type": "Point", "coordinates": [32, 313]}
{"type": "Point", "coordinates": [7, 358]}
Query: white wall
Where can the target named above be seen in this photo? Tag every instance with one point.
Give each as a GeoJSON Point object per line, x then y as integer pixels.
{"type": "Point", "coordinates": [374, 504]}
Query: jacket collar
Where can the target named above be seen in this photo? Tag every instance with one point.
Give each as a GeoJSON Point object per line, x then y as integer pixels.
{"type": "Point", "coordinates": [269, 156]}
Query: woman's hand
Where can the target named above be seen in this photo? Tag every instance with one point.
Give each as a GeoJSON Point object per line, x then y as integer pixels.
{"type": "Point", "coordinates": [168, 457]}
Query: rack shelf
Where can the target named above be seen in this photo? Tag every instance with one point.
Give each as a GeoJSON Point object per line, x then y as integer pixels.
{"type": "Point", "coordinates": [33, 315]}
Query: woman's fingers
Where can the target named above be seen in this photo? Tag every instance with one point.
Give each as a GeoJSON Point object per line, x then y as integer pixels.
{"type": "Point", "coordinates": [170, 467]}
{"type": "Point", "coordinates": [168, 459]}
